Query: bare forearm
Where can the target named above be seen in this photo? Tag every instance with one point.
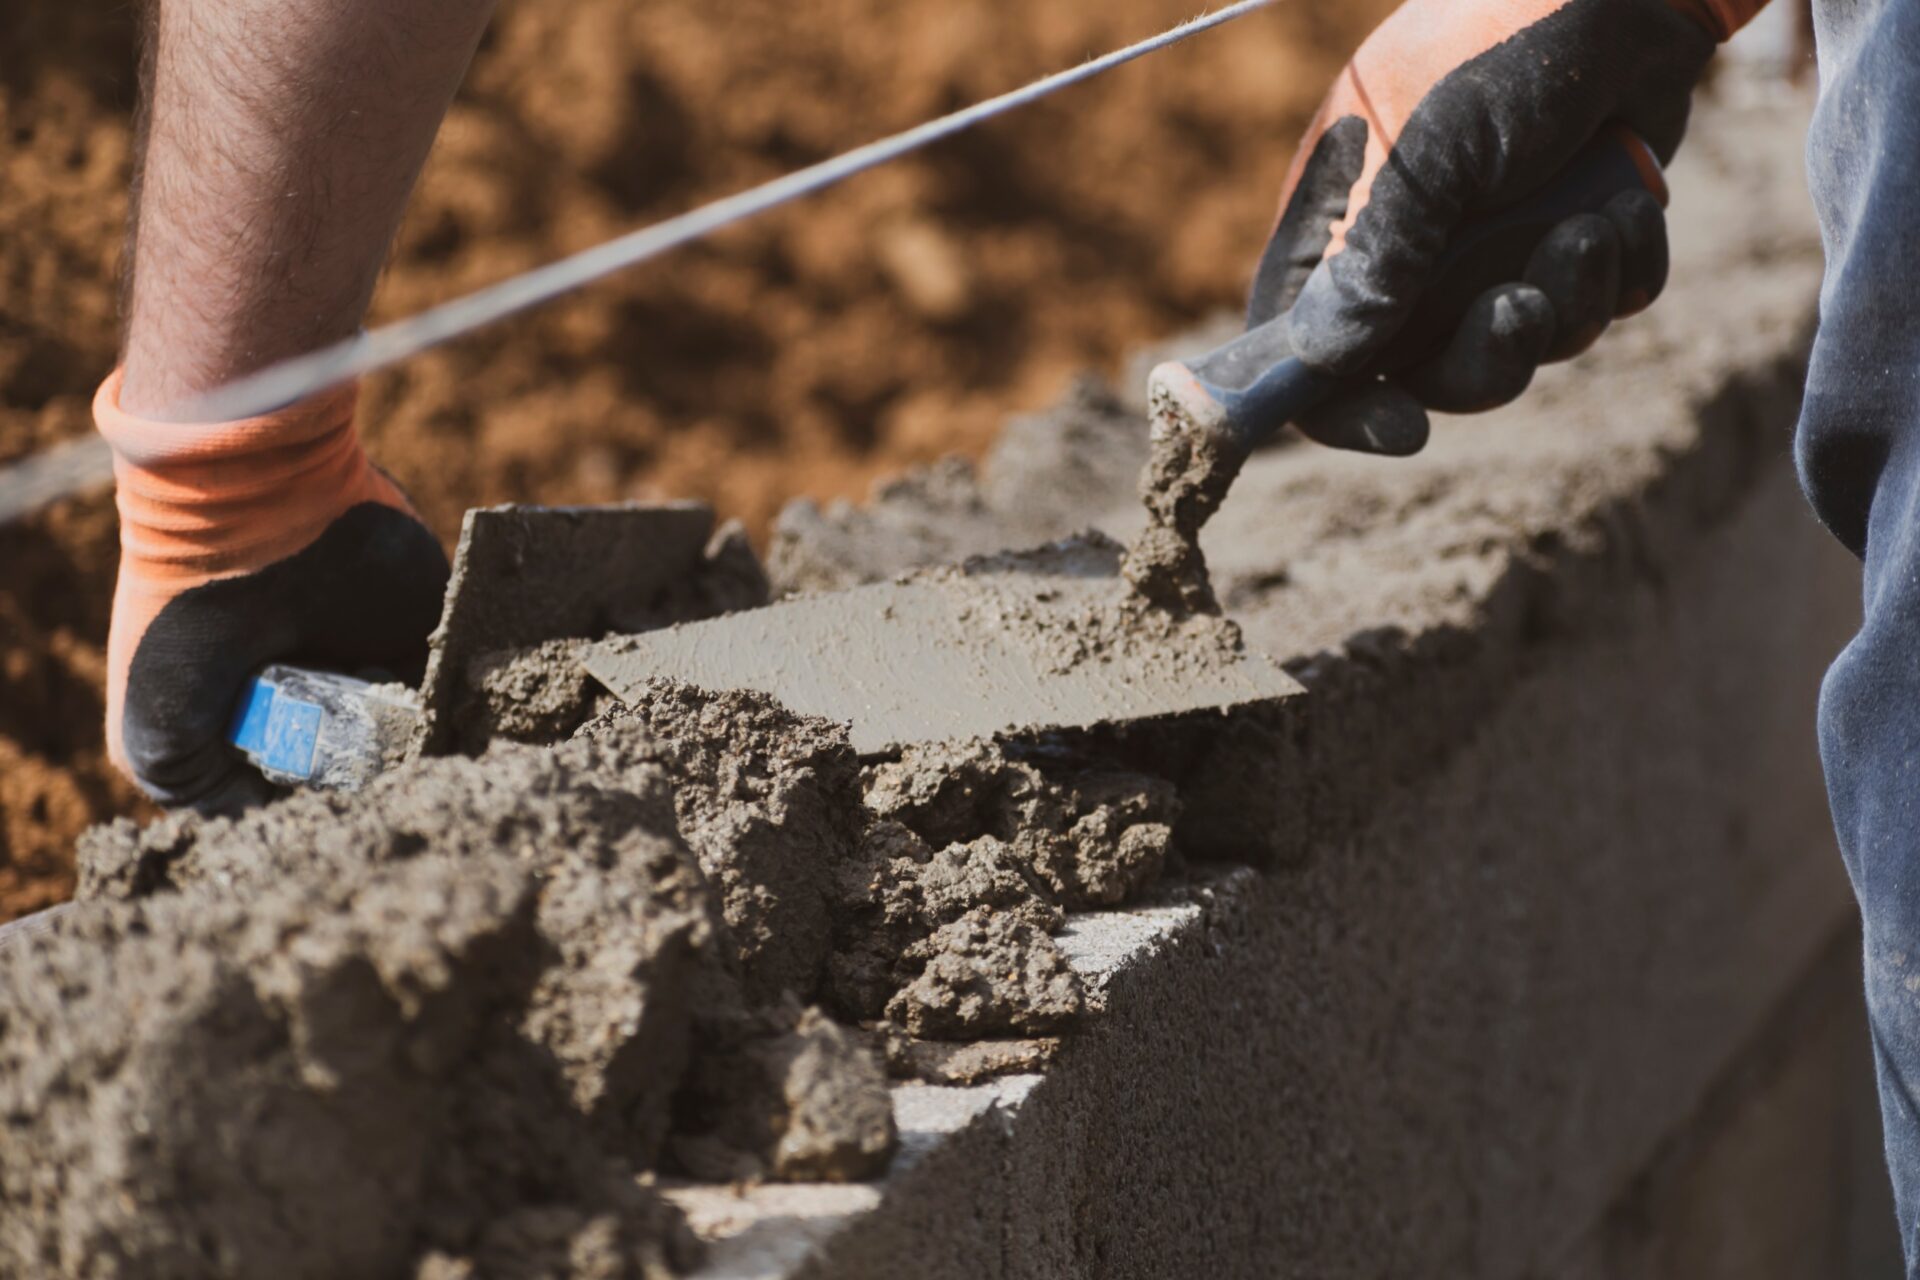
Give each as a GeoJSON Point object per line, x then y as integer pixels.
{"type": "Point", "coordinates": [283, 139]}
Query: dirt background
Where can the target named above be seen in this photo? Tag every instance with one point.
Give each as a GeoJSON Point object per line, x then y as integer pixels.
{"type": "Point", "coordinates": [890, 322]}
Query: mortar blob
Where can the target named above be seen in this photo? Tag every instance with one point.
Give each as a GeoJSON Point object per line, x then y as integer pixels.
{"type": "Point", "coordinates": [1189, 470]}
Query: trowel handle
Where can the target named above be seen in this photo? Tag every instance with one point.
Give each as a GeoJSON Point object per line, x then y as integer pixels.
{"type": "Point", "coordinates": [1255, 394]}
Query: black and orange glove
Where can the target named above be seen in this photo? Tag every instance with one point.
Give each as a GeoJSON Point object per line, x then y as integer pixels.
{"type": "Point", "coordinates": [1456, 108]}
{"type": "Point", "coordinates": [243, 543]}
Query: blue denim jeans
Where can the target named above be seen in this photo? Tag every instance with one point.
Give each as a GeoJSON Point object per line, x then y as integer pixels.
{"type": "Point", "coordinates": [1858, 453]}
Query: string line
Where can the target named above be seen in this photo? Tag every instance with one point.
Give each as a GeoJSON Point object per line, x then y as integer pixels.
{"type": "Point", "coordinates": [294, 379]}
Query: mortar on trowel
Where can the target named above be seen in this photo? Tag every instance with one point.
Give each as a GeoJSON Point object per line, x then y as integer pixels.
{"type": "Point", "coordinates": [1210, 414]}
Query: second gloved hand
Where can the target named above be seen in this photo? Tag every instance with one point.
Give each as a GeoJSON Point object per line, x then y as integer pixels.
{"type": "Point", "coordinates": [1456, 108]}
{"type": "Point", "coordinates": [244, 543]}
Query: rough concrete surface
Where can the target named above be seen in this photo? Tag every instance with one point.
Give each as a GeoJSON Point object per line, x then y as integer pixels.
{"type": "Point", "coordinates": [320, 1081]}
{"type": "Point", "coordinates": [776, 1084]}
{"type": "Point", "coordinates": [618, 989]}
{"type": "Point", "coordinates": [970, 858]}
{"type": "Point", "coordinates": [1781, 1171]}
{"type": "Point", "coordinates": [1542, 855]}
{"type": "Point", "coordinates": [770, 804]}
{"type": "Point", "coordinates": [986, 974]}
{"type": "Point", "coordinates": [1091, 835]}
{"type": "Point", "coordinates": [1549, 845]}
{"type": "Point", "coordinates": [526, 576]}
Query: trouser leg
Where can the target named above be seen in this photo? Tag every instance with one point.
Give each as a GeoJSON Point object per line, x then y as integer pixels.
{"type": "Point", "coordinates": [1858, 450]}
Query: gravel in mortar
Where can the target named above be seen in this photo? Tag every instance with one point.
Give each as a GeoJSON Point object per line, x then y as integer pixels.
{"type": "Point", "coordinates": [986, 974]}
{"type": "Point", "coordinates": [965, 831]}
{"type": "Point", "coordinates": [537, 694]}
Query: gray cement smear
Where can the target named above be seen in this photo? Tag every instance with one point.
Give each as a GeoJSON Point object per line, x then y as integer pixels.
{"type": "Point", "coordinates": [525, 576]}
{"type": "Point", "coordinates": [1014, 643]}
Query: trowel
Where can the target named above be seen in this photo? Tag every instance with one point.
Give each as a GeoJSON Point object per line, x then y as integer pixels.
{"type": "Point", "coordinates": [1056, 638]}
{"type": "Point", "coordinates": [521, 575]}
{"type": "Point", "coordinates": [975, 651]}
{"type": "Point", "coordinates": [1244, 391]}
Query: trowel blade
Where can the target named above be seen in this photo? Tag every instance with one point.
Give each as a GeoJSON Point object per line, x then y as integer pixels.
{"type": "Point", "coordinates": [1013, 644]}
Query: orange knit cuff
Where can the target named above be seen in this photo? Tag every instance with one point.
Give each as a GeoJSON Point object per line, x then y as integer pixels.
{"type": "Point", "coordinates": [200, 501]}
{"type": "Point", "coordinates": [1722, 17]}
{"type": "Point", "coordinates": [205, 501]}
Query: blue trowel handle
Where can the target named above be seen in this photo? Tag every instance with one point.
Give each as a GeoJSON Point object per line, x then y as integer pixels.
{"type": "Point", "coordinates": [303, 728]}
{"type": "Point", "coordinates": [1258, 385]}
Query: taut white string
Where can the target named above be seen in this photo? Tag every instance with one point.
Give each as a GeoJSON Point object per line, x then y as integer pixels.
{"type": "Point", "coordinates": [289, 380]}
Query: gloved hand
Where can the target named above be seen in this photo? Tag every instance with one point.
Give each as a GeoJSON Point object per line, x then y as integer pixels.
{"type": "Point", "coordinates": [241, 543]}
{"type": "Point", "coordinates": [1459, 107]}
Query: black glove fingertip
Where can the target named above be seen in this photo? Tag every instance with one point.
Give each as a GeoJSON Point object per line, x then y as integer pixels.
{"type": "Point", "coordinates": [1491, 357]}
{"type": "Point", "coordinates": [1380, 419]}
{"type": "Point", "coordinates": [1645, 257]}
{"type": "Point", "coordinates": [1577, 267]}
{"type": "Point", "coordinates": [1301, 237]}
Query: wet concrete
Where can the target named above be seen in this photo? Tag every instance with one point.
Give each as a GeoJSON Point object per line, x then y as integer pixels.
{"type": "Point", "coordinates": [1016, 643]}
{"type": "Point", "coordinates": [1188, 473]}
{"type": "Point", "coordinates": [323, 1079]}
{"type": "Point", "coordinates": [1549, 845]}
{"type": "Point", "coordinates": [525, 576]}
{"type": "Point", "coordinates": [1545, 842]}
{"type": "Point", "coordinates": [617, 989]}
{"type": "Point", "coordinates": [769, 802]}
{"type": "Point", "coordinates": [687, 878]}
{"type": "Point", "coordinates": [970, 861]}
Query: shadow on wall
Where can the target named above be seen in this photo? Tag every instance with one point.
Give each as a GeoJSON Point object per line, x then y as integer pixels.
{"type": "Point", "coordinates": [1789, 1135]}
